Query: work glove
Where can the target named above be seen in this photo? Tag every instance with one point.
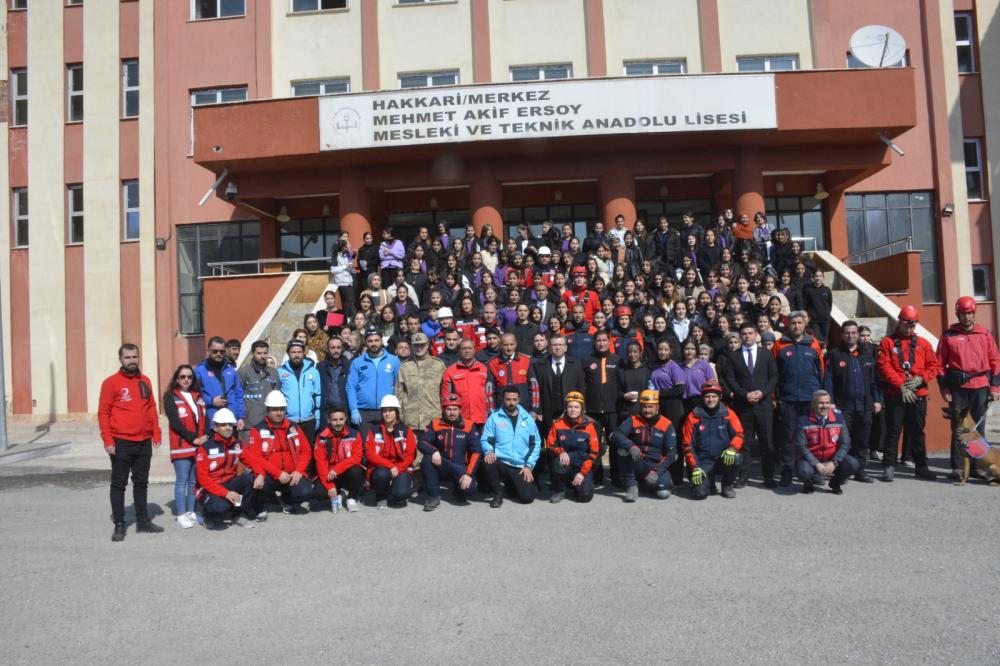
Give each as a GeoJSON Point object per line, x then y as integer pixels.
{"type": "Point", "coordinates": [652, 478]}
{"type": "Point", "coordinates": [908, 395]}
{"type": "Point", "coordinates": [356, 417]}
{"type": "Point", "coordinates": [729, 456]}
{"type": "Point", "coordinates": [697, 476]}
{"type": "Point", "coordinates": [914, 383]}
{"type": "Point", "coordinates": [636, 453]}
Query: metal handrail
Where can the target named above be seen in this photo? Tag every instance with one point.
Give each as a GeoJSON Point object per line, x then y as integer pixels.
{"type": "Point", "coordinates": [850, 259]}
{"type": "Point", "coordinates": [802, 241]}
{"type": "Point", "coordinates": [288, 265]}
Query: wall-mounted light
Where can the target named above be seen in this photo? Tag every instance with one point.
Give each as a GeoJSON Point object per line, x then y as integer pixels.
{"type": "Point", "coordinates": [557, 195]}
{"type": "Point", "coordinates": [282, 215]}
{"type": "Point", "coordinates": [664, 190]}
{"type": "Point", "coordinates": [821, 192]}
{"type": "Point", "coordinates": [948, 210]}
{"type": "Point", "coordinates": [434, 202]}
{"type": "Point", "coordinates": [161, 244]}
{"type": "Point", "coordinates": [326, 210]}
{"type": "Point", "coordinates": [779, 186]}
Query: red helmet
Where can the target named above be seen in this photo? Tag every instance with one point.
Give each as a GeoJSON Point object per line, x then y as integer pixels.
{"type": "Point", "coordinates": [909, 313]}
{"type": "Point", "coordinates": [451, 399]}
{"type": "Point", "coordinates": [623, 311]}
{"type": "Point", "coordinates": [965, 304]}
{"type": "Point", "coordinates": [711, 386]}
{"type": "Point", "coordinates": [579, 270]}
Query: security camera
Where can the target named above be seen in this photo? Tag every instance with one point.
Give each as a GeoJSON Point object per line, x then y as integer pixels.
{"type": "Point", "coordinates": [231, 191]}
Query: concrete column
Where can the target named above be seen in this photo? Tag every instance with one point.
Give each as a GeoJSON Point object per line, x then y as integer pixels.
{"type": "Point", "coordinates": [617, 188]}
{"type": "Point", "coordinates": [835, 224]}
{"type": "Point", "coordinates": [748, 183]}
{"type": "Point", "coordinates": [486, 201]}
{"type": "Point", "coordinates": [355, 206]}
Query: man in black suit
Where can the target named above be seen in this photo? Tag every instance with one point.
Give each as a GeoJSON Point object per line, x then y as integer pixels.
{"type": "Point", "coordinates": [752, 375]}
{"type": "Point", "coordinates": [557, 375]}
{"type": "Point", "coordinates": [542, 302]}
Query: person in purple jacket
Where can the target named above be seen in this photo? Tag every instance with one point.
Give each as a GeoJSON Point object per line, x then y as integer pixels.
{"type": "Point", "coordinates": [390, 253]}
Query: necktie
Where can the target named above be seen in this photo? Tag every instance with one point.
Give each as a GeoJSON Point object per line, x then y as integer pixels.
{"type": "Point", "coordinates": [750, 361]}
{"type": "Point", "coordinates": [558, 368]}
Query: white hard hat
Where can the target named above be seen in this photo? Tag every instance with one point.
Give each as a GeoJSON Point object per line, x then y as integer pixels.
{"type": "Point", "coordinates": [275, 399]}
{"type": "Point", "coordinates": [544, 250]}
{"type": "Point", "coordinates": [389, 401]}
{"type": "Point", "coordinates": [445, 312]}
{"type": "Point", "coordinates": [224, 416]}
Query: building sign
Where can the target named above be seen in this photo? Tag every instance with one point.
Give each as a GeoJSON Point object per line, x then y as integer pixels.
{"type": "Point", "coordinates": [547, 109]}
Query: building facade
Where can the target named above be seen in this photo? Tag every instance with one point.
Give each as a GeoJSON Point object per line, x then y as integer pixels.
{"type": "Point", "coordinates": [137, 108]}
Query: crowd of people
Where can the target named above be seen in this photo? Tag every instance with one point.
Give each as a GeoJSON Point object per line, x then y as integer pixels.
{"type": "Point", "coordinates": [676, 355]}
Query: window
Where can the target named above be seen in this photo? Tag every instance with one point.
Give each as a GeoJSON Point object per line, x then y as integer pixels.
{"type": "Point", "coordinates": [418, 2]}
{"type": "Point", "coordinates": [541, 72]}
{"type": "Point", "coordinates": [18, 4]}
{"type": "Point", "coordinates": [317, 5]}
{"type": "Point", "coordinates": [19, 213]}
{"type": "Point", "coordinates": [321, 87]}
{"type": "Point", "coordinates": [19, 97]}
{"type": "Point", "coordinates": [74, 2]}
{"type": "Point", "coordinates": [982, 285]}
{"type": "Point", "coordinates": [214, 96]}
{"type": "Point", "coordinates": [774, 63]}
{"type": "Point", "coordinates": [74, 93]}
{"type": "Point", "coordinates": [130, 210]}
{"type": "Point", "coordinates": [428, 79]}
{"type": "Point", "coordinates": [879, 223]}
{"type": "Point", "coordinates": [802, 216]}
{"type": "Point", "coordinates": [964, 43]}
{"type": "Point", "coordinates": [311, 238]}
{"type": "Point", "coordinates": [974, 168]}
{"type": "Point", "coordinates": [199, 244]}
{"type": "Point", "coordinates": [210, 9]}
{"type": "Point", "coordinates": [581, 216]}
{"type": "Point", "coordinates": [854, 63]}
{"type": "Point", "coordinates": [130, 88]}
{"type": "Point", "coordinates": [74, 208]}
{"type": "Point", "coordinates": [655, 67]}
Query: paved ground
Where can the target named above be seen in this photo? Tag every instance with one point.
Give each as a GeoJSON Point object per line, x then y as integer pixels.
{"type": "Point", "coordinates": [901, 573]}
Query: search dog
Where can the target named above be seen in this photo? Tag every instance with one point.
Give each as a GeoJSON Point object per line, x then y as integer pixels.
{"type": "Point", "coordinates": [975, 450]}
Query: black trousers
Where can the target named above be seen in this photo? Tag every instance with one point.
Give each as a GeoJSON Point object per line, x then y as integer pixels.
{"type": "Point", "coordinates": [134, 458]}
{"type": "Point", "coordinates": [760, 424]}
{"type": "Point", "coordinates": [859, 426]}
{"type": "Point", "coordinates": [515, 484]}
{"type": "Point", "coordinates": [220, 508]}
{"type": "Point", "coordinates": [790, 413]}
{"type": "Point", "coordinates": [348, 301]}
{"type": "Point", "coordinates": [352, 481]}
{"type": "Point", "coordinates": [976, 401]}
{"type": "Point", "coordinates": [901, 417]}
{"type": "Point", "coordinates": [609, 423]}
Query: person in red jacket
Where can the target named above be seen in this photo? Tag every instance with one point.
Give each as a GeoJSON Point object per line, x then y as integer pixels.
{"type": "Point", "coordinates": [968, 372]}
{"type": "Point", "coordinates": [285, 454]}
{"type": "Point", "coordinates": [130, 428]}
{"type": "Point", "coordinates": [467, 378]}
{"type": "Point", "coordinates": [588, 298]}
{"type": "Point", "coordinates": [337, 453]}
{"type": "Point", "coordinates": [906, 366]}
{"type": "Point", "coordinates": [225, 487]}
{"type": "Point", "coordinates": [573, 445]}
{"type": "Point", "coordinates": [186, 414]}
{"type": "Point", "coordinates": [391, 449]}
{"type": "Point", "coordinates": [822, 444]}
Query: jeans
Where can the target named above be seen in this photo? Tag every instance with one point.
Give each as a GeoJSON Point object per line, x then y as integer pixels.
{"type": "Point", "coordinates": [183, 485]}
{"type": "Point", "coordinates": [129, 457]}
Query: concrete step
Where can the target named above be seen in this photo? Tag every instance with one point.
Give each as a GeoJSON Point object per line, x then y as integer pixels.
{"type": "Point", "coordinates": [847, 301]}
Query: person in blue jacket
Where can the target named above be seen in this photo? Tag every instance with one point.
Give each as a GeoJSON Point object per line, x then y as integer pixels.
{"type": "Point", "coordinates": [220, 383]}
{"type": "Point", "coordinates": [511, 444]}
{"type": "Point", "coordinates": [372, 377]}
{"type": "Point", "coordinates": [302, 387]}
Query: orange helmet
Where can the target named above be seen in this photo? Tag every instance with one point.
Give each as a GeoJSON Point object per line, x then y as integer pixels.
{"type": "Point", "coordinates": [649, 397]}
{"type": "Point", "coordinates": [574, 396]}
{"type": "Point", "coordinates": [965, 304]}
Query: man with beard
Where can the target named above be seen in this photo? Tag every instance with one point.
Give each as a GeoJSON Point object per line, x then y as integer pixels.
{"type": "Point", "coordinates": [302, 387]}
{"type": "Point", "coordinates": [451, 452]}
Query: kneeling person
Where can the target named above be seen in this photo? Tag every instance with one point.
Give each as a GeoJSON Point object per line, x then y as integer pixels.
{"type": "Point", "coordinates": [284, 454]}
{"type": "Point", "coordinates": [821, 445]}
{"type": "Point", "coordinates": [451, 451]}
{"type": "Point", "coordinates": [391, 449]}
{"type": "Point", "coordinates": [646, 446]}
{"type": "Point", "coordinates": [337, 453]}
{"type": "Point", "coordinates": [574, 446]}
{"type": "Point", "coordinates": [511, 445]}
{"type": "Point", "coordinates": [712, 438]}
{"type": "Point", "coordinates": [225, 490]}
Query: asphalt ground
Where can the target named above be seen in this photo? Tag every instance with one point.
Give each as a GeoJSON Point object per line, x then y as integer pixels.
{"type": "Point", "coordinates": [900, 573]}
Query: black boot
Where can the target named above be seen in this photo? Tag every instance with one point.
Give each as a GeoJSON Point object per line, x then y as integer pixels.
{"type": "Point", "coordinates": [147, 526]}
{"type": "Point", "coordinates": [497, 500]}
{"type": "Point", "coordinates": [119, 533]}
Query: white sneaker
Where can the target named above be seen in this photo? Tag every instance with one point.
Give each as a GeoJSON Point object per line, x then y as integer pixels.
{"type": "Point", "coordinates": [196, 517]}
{"type": "Point", "coordinates": [184, 522]}
{"type": "Point", "coordinates": [352, 505]}
{"type": "Point", "coordinates": [382, 505]}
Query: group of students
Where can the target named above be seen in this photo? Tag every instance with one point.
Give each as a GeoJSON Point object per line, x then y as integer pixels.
{"type": "Point", "coordinates": [476, 363]}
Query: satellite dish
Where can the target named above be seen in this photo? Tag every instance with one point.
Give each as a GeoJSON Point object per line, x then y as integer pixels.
{"type": "Point", "coordinates": [878, 46]}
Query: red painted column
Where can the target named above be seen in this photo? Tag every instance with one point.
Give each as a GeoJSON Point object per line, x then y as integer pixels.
{"type": "Point", "coordinates": [617, 187]}
{"type": "Point", "coordinates": [835, 224]}
{"type": "Point", "coordinates": [486, 200]}
{"type": "Point", "coordinates": [481, 56]}
{"type": "Point", "coordinates": [369, 45]}
{"type": "Point", "coordinates": [597, 51]}
{"type": "Point", "coordinates": [748, 183]}
{"type": "Point", "coordinates": [355, 207]}
{"type": "Point", "coordinates": [711, 50]}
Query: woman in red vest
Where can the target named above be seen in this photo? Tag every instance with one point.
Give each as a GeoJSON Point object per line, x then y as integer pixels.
{"type": "Point", "coordinates": [185, 411]}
